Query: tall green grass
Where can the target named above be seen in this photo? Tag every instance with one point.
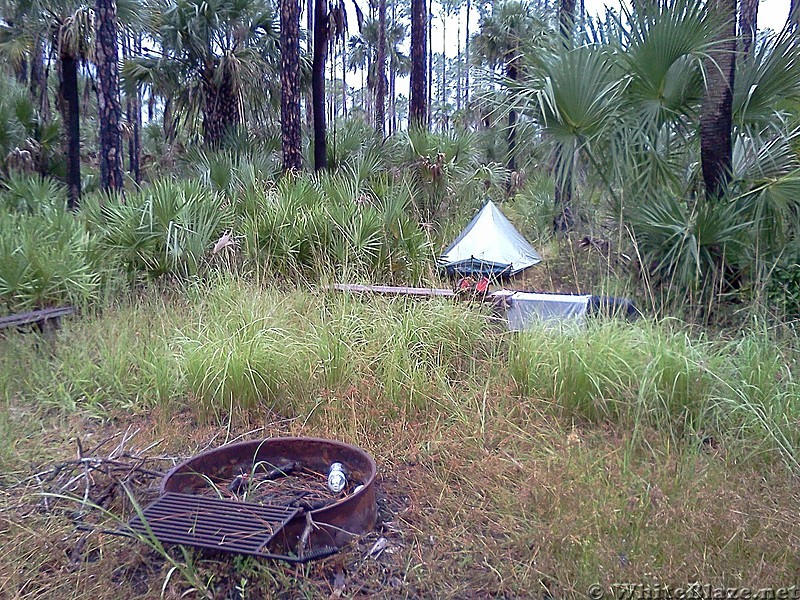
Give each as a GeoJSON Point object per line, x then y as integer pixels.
{"type": "Point", "coordinates": [615, 372]}
{"type": "Point", "coordinates": [660, 375]}
{"type": "Point", "coordinates": [230, 348]}
{"type": "Point", "coordinates": [125, 359]}
{"type": "Point", "coordinates": [276, 351]}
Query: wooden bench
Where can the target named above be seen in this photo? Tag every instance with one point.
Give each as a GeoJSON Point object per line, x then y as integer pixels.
{"type": "Point", "coordinates": [45, 321]}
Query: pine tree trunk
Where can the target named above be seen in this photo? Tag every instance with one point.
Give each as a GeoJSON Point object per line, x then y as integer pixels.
{"type": "Point", "coordinates": [72, 118]}
{"type": "Point", "coordinates": [309, 97]}
{"type": "Point", "coordinates": [330, 99]}
{"type": "Point", "coordinates": [512, 73]}
{"type": "Point", "coordinates": [133, 110]}
{"type": "Point", "coordinates": [344, 76]}
{"type": "Point", "coordinates": [458, 63]}
{"type": "Point", "coordinates": [220, 108]}
{"type": "Point", "coordinates": [393, 76]}
{"type": "Point", "coordinates": [36, 84]}
{"type": "Point", "coordinates": [418, 110]}
{"type": "Point", "coordinates": [716, 118]}
{"type": "Point", "coordinates": [392, 99]}
{"type": "Point", "coordinates": [380, 87]}
{"type": "Point", "coordinates": [443, 85]}
{"type": "Point", "coordinates": [748, 23]}
{"type": "Point", "coordinates": [318, 83]}
{"type": "Point", "coordinates": [108, 103]}
{"type": "Point", "coordinates": [136, 135]}
{"type": "Point", "coordinates": [290, 85]}
{"type": "Point", "coordinates": [430, 62]}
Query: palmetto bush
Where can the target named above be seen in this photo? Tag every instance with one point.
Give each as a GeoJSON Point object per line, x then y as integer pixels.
{"type": "Point", "coordinates": [621, 112]}
{"type": "Point", "coordinates": [25, 193]}
{"type": "Point", "coordinates": [447, 171]}
{"type": "Point", "coordinates": [335, 225]}
{"type": "Point", "coordinates": [683, 242]}
{"type": "Point", "coordinates": [244, 163]}
{"type": "Point", "coordinates": [286, 228]}
{"type": "Point", "coordinates": [45, 260]}
{"type": "Point", "coordinates": [167, 228]}
{"type": "Point", "coordinates": [27, 142]}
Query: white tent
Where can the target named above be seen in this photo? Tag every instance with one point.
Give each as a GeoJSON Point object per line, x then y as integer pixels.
{"type": "Point", "coordinates": [489, 245]}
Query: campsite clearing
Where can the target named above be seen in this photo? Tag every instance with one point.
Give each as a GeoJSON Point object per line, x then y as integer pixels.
{"type": "Point", "coordinates": [506, 468]}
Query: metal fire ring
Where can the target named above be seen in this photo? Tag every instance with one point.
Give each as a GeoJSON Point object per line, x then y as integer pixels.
{"type": "Point", "coordinates": [333, 525]}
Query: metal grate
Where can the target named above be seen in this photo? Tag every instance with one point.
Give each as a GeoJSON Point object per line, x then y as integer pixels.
{"type": "Point", "coordinates": [212, 523]}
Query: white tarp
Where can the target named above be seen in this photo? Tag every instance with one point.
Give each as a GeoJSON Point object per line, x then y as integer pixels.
{"type": "Point", "coordinates": [528, 309]}
{"type": "Point", "coordinates": [489, 245]}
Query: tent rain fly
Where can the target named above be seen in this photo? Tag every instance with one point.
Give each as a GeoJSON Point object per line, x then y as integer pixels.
{"type": "Point", "coordinates": [489, 245]}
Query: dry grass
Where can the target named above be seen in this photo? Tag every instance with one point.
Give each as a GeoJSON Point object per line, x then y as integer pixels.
{"type": "Point", "coordinates": [482, 493]}
{"type": "Point", "coordinates": [510, 504]}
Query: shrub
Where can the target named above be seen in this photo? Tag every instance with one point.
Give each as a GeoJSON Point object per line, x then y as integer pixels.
{"type": "Point", "coordinates": [29, 194]}
{"type": "Point", "coordinates": [334, 224]}
{"type": "Point", "coordinates": [165, 229]}
{"type": "Point", "coordinates": [45, 260]}
{"type": "Point", "coordinates": [28, 143]}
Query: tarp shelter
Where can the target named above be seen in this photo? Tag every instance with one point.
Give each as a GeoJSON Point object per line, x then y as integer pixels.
{"type": "Point", "coordinates": [489, 245]}
{"type": "Point", "coordinates": [525, 309]}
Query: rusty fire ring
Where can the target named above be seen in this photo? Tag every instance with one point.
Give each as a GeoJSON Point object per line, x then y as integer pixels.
{"type": "Point", "coordinates": [175, 514]}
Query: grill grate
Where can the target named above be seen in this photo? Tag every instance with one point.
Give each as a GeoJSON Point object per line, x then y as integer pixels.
{"type": "Point", "coordinates": [213, 523]}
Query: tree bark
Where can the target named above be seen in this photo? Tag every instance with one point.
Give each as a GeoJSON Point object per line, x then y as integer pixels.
{"type": "Point", "coordinates": [290, 85]}
{"type": "Point", "coordinates": [380, 87]}
{"type": "Point", "coordinates": [133, 110]}
{"type": "Point", "coordinates": [748, 23]}
{"type": "Point", "coordinates": [108, 103]}
{"type": "Point", "coordinates": [221, 112]}
{"type": "Point", "coordinates": [418, 110]}
{"type": "Point", "coordinates": [344, 75]}
{"type": "Point", "coordinates": [512, 72]}
{"type": "Point", "coordinates": [458, 62]}
{"type": "Point", "coordinates": [318, 84]}
{"type": "Point", "coordinates": [72, 118]}
{"type": "Point", "coordinates": [309, 97]}
{"type": "Point", "coordinates": [716, 119]}
{"type": "Point", "coordinates": [37, 85]}
{"type": "Point", "coordinates": [430, 62]}
{"type": "Point", "coordinates": [443, 85]}
{"type": "Point", "coordinates": [393, 75]}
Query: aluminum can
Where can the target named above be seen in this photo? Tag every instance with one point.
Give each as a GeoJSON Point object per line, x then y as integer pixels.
{"type": "Point", "coordinates": [337, 480]}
